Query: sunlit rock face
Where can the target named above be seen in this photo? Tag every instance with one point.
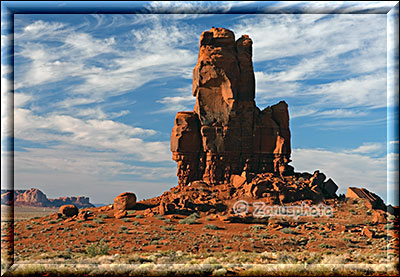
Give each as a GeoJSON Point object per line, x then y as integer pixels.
{"type": "Point", "coordinates": [227, 133]}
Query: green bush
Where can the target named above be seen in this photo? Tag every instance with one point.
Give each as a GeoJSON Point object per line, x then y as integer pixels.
{"type": "Point", "coordinates": [98, 220]}
{"type": "Point", "coordinates": [288, 231]}
{"type": "Point", "coordinates": [99, 248]}
{"type": "Point", "coordinates": [191, 219]}
{"type": "Point", "coordinates": [324, 245]}
{"type": "Point", "coordinates": [211, 227]}
{"type": "Point", "coordinates": [103, 216]}
{"type": "Point", "coordinates": [257, 227]}
{"type": "Point", "coordinates": [168, 227]}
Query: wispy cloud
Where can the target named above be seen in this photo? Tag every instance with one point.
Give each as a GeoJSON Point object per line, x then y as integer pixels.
{"type": "Point", "coordinates": [148, 57]}
{"type": "Point", "coordinates": [182, 102]}
{"type": "Point", "coordinates": [347, 168]}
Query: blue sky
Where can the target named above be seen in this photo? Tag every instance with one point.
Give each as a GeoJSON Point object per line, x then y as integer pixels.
{"type": "Point", "coordinates": [96, 95]}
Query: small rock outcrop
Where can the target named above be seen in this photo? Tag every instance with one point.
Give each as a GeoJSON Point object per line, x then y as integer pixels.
{"type": "Point", "coordinates": [69, 210]}
{"type": "Point", "coordinates": [373, 200]}
{"type": "Point", "coordinates": [227, 134]}
{"type": "Point", "coordinates": [123, 202]}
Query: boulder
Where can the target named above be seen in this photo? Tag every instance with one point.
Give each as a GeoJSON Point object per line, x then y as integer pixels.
{"type": "Point", "coordinates": [120, 214]}
{"type": "Point", "coordinates": [367, 232]}
{"type": "Point", "coordinates": [124, 201]}
{"type": "Point", "coordinates": [375, 202]}
{"type": "Point", "coordinates": [329, 188]}
{"type": "Point", "coordinates": [69, 210]}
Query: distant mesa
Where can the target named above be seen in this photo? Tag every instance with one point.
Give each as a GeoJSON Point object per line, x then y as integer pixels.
{"type": "Point", "coordinates": [35, 197]}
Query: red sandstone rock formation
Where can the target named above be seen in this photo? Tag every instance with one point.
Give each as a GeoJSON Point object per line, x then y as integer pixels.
{"type": "Point", "coordinates": [226, 133]}
{"type": "Point", "coordinates": [32, 197]}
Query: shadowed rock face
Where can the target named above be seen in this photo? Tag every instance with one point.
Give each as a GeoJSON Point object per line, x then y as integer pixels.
{"type": "Point", "coordinates": [227, 133]}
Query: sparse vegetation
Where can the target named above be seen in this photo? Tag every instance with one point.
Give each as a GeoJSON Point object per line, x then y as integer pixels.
{"type": "Point", "coordinates": [324, 245]}
{"type": "Point", "coordinates": [288, 231]}
{"type": "Point", "coordinates": [191, 219]}
{"type": "Point", "coordinates": [99, 248]}
{"type": "Point", "coordinates": [211, 227]}
{"type": "Point", "coordinates": [98, 221]}
{"type": "Point", "coordinates": [168, 227]}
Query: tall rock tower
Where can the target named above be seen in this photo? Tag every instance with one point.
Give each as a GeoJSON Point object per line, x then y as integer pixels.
{"type": "Point", "coordinates": [226, 133]}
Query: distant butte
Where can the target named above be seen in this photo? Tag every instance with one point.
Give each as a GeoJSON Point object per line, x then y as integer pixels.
{"type": "Point", "coordinates": [226, 133]}
{"type": "Point", "coordinates": [35, 197]}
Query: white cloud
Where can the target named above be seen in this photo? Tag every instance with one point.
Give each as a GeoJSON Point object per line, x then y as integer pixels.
{"type": "Point", "coordinates": [346, 168]}
{"type": "Point", "coordinates": [330, 6]}
{"type": "Point", "coordinates": [174, 104]}
{"type": "Point", "coordinates": [364, 91]}
{"type": "Point", "coordinates": [368, 148]}
{"type": "Point", "coordinates": [101, 135]}
{"type": "Point", "coordinates": [189, 7]}
{"type": "Point", "coordinates": [149, 56]}
{"type": "Point", "coordinates": [334, 61]}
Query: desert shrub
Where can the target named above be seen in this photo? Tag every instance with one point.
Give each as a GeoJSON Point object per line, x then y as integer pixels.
{"type": "Point", "coordinates": [168, 228]}
{"type": "Point", "coordinates": [126, 220]}
{"type": "Point", "coordinates": [314, 258]}
{"type": "Point", "coordinates": [159, 216]}
{"type": "Point", "coordinates": [28, 227]}
{"type": "Point", "coordinates": [103, 216]}
{"type": "Point", "coordinates": [135, 223]}
{"type": "Point", "coordinates": [191, 219]}
{"type": "Point", "coordinates": [99, 248]}
{"type": "Point", "coordinates": [286, 258]}
{"type": "Point", "coordinates": [324, 245]}
{"type": "Point", "coordinates": [264, 236]}
{"type": "Point", "coordinates": [391, 217]}
{"type": "Point", "coordinates": [122, 228]}
{"type": "Point", "coordinates": [98, 221]}
{"type": "Point", "coordinates": [139, 216]}
{"type": "Point", "coordinates": [211, 227]}
{"type": "Point", "coordinates": [288, 231]}
{"type": "Point", "coordinates": [257, 227]}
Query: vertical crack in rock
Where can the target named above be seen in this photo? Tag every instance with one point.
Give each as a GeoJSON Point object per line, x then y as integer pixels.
{"type": "Point", "coordinates": [226, 133]}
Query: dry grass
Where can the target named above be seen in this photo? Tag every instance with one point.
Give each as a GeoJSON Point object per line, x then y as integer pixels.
{"type": "Point", "coordinates": [218, 263]}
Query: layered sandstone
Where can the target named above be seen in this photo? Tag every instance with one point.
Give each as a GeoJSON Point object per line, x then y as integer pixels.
{"type": "Point", "coordinates": [227, 134]}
